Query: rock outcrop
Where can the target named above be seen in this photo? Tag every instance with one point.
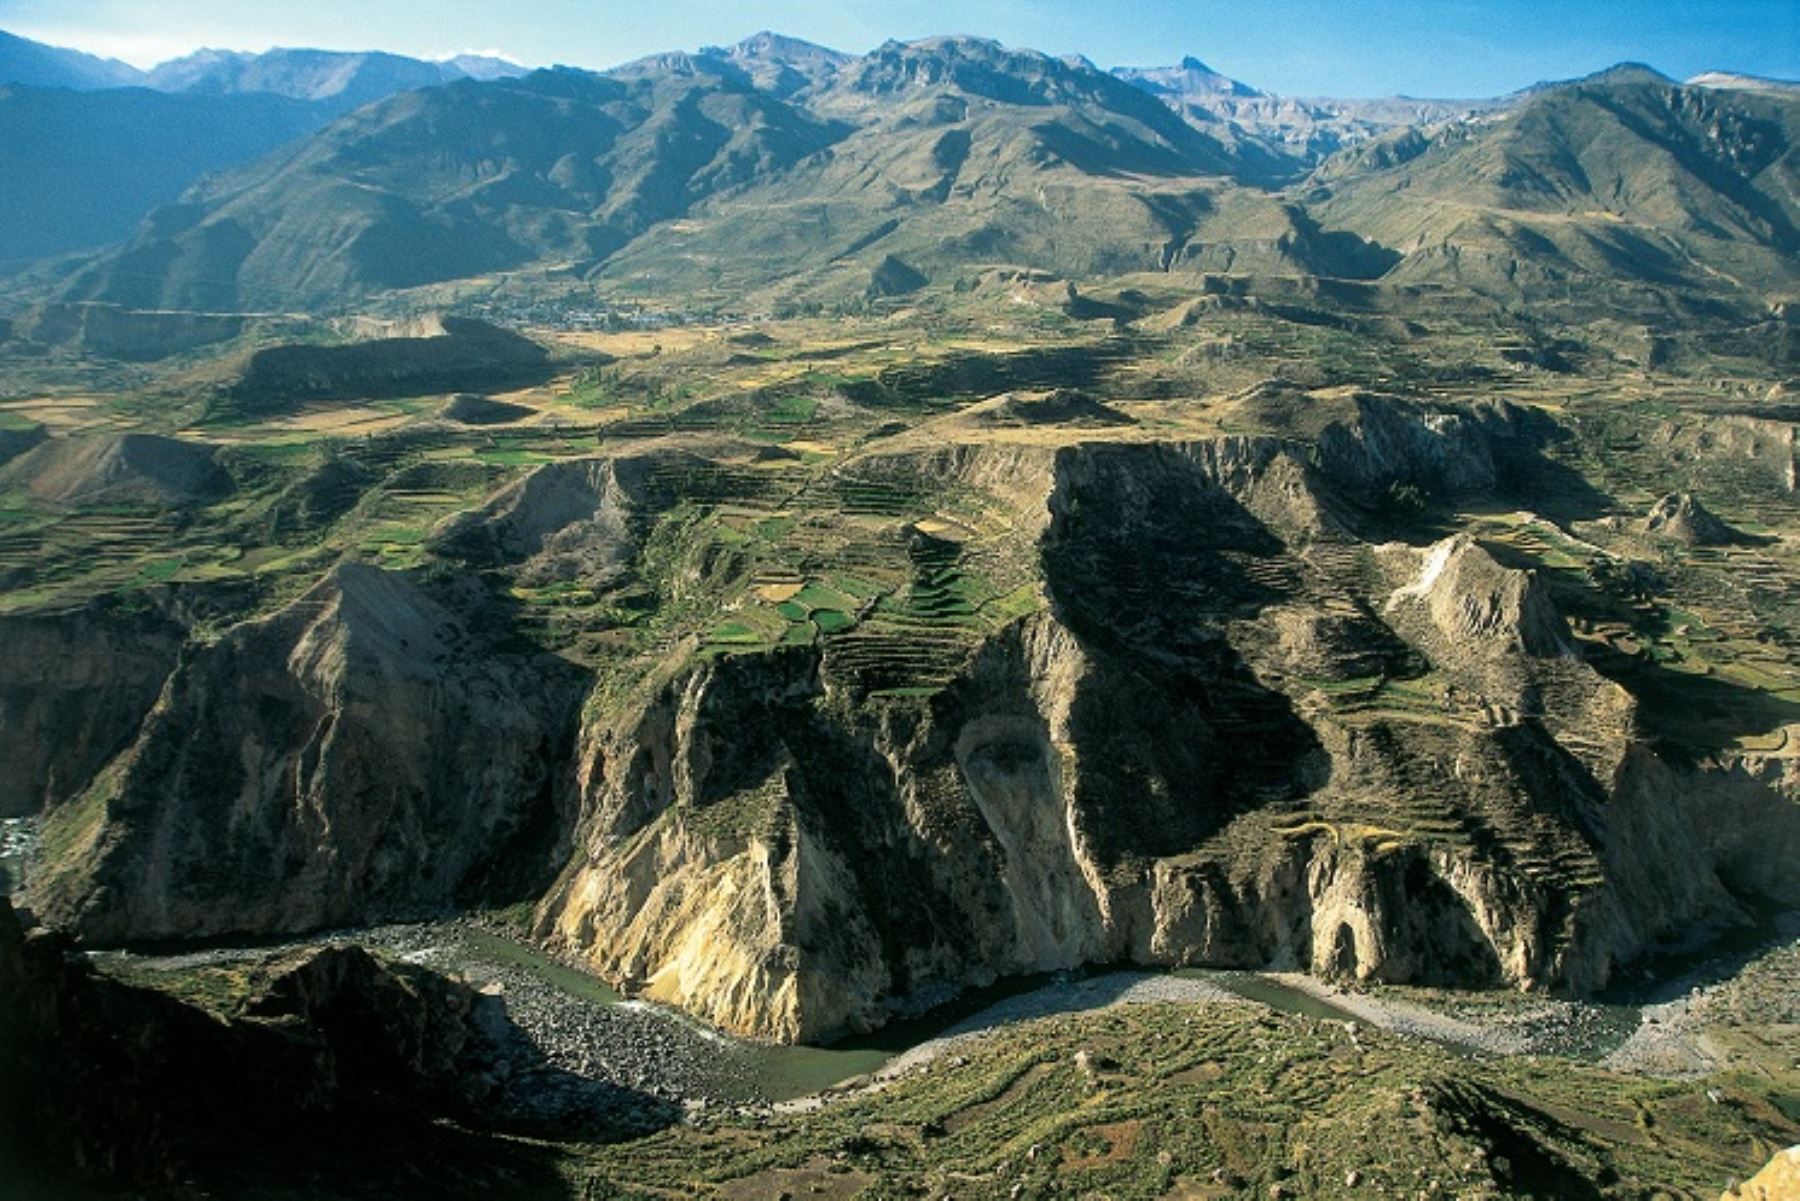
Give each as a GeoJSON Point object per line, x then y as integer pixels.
{"type": "Point", "coordinates": [563, 521]}
{"type": "Point", "coordinates": [1443, 451]}
{"type": "Point", "coordinates": [1778, 1180]}
{"type": "Point", "coordinates": [1680, 517]}
{"type": "Point", "coordinates": [291, 1067]}
{"type": "Point", "coordinates": [363, 752]}
{"type": "Point", "coordinates": [74, 689]}
{"type": "Point", "coordinates": [1226, 729]}
{"type": "Point", "coordinates": [1476, 606]}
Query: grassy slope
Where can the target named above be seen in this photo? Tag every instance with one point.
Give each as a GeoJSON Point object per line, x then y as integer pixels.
{"type": "Point", "coordinates": [1195, 1101]}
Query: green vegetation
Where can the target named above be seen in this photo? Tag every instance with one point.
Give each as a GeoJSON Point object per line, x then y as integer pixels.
{"type": "Point", "coordinates": [1146, 412]}
{"type": "Point", "coordinates": [831, 621]}
{"type": "Point", "coordinates": [1210, 1100]}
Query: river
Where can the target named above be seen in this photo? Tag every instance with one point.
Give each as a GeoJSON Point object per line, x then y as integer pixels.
{"type": "Point", "coordinates": [584, 1026]}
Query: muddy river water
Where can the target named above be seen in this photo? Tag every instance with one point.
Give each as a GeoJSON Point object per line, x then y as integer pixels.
{"type": "Point", "coordinates": [584, 1026]}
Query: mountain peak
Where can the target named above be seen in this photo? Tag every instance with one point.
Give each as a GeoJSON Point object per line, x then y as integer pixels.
{"type": "Point", "coordinates": [482, 67]}
{"type": "Point", "coordinates": [1738, 81]}
{"type": "Point", "coordinates": [769, 44]}
{"type": "Point", "coordinates": [982, 67]}
{"type": "Point", "coordinates": [1190, 78]}
{"type": "Point", "coordinates": [1617, 75]}
{"type": "Point", "coordinates": [953, 45]}
{"type": "Point", "coordinates": [1628, 72]}
{"type": "Point", "coordinates": [956, 59]}
{"type": "Point", "coordinates": [707, 61]}
{"type": "Point", "coordinates": [345, 79]}
{"type": "Point", "coordinates": [37, 65]}
{"type": "Point", "coordinates": [778, 63]}
{"type": "Point", "coordinates": [302, 73]}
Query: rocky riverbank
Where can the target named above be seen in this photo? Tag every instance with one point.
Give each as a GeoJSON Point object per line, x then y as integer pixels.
{"type": "Point", "coordinates": [576, 1024]}
{"type": "Point", "coordinates": [582, 1033]}
{"type": "Point", "coordinates": [1687, 1035]}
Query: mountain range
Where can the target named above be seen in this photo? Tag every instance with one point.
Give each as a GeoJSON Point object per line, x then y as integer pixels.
{"type": "Point", "coordinates": [588, 634]}
{"type": "Point", "coordinates": [91, 145]}
{"type": "Point", "coordinates": [25, 61]}
{"type": "Point", "coordinates": [782, 170]}
{"type": "Point", "coordinates": [356, 77]}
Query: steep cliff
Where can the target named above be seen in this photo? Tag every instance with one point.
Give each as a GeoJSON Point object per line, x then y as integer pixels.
{"type": "Point", "coordinates": [366, 751]}
{"type": "Point", "coordinates": [1216, 723]}
{"type": "Point", "coordinates": [74, 688]}
{"type": "Point", "coordinates": [1144, 771]}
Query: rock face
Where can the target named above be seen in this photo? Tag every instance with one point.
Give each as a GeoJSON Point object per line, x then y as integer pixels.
{"type": "Point", "coordinates": [1132, 774]}
{"type": "Point", "coordinates": [1680, 517]}
{"type": "Point", "coordinates": [362, 752]}
{"type": "Point", "coordinates": [563, 521]}
{"type": "Point", "coordinates": [1225, 729]}
{"type": "Point", "coordinates": [1445, 452]}
{"type": "Point", "coordinates": [296, 1066]}
{"type": "Point", "coordinates": [1781, 1178]}
{"type": "Point", "coordinates": [74, 688]}
{"type": "Point", "coordinates": [764, 851]}
{"type": "Point", "coordinates": [1464, 610]}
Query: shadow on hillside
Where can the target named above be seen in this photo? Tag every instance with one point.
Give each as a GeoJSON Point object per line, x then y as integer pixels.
{"type": "Point", "coordinates": [1692, 716]}
{"type": "Point", "coordinates": [1531, 477]}
{"type": "Point", "coordinates": [1145, 560]}
{"type": "Point", "coordinates": [466, 356]}
{"type": "Point", "coordinates": [333, 1074]}
{"type": "Point", "coordinates": [1667, 975]}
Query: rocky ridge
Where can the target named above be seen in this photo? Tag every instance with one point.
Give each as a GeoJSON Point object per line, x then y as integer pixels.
{"type": "Point", "coordinates": [1681, 517]}
{"type": "Point", "coordinates": [362, 752]}
{"type": "Point", "coordinates": [1228, 728]}
{"type": "Point", "coordinates": [308, 1057]}
{"type": "Point", "coordinates": [133, 470]}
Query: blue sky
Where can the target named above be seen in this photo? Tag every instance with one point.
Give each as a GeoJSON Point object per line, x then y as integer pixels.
{"type": "Point", "coordinates": [1301, 47]}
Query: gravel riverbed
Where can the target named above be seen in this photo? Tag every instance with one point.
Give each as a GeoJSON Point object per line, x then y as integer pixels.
{"type": "Point", "coordinates": [582, 1032]}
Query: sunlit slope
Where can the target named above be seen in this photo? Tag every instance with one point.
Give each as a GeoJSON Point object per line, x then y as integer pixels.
{"type": "Point", "coordinates": [1624, 177]}
{"type": "Point", "coordinates": [452, 182]}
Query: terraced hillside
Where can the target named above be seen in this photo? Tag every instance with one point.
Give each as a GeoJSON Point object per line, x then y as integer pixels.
{"type": "Point", "coordinates": [804, 539]}
{"type": "Point", "coordinates": [1236, 656]}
